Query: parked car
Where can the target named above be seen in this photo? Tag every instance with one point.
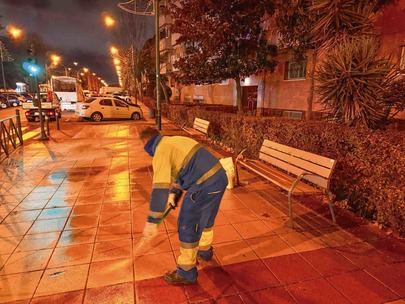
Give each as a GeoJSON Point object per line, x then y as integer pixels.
{"type": "Point", "coordinates": [10, 99]}
{"type": "Point", "coordinates": [100, 108]}
{"type": "Point", "coordinates": [3, 103]}
{"type": "Point", "coordinates": [50, 107]}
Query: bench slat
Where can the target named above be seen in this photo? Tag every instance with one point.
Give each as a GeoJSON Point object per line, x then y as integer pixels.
{"type": "Point", "coordinates": [317, 180]}
{"type": "Point", "coordinates": [291, 159]}
{"type": "Point", "coordinates": [301, 188]}
{"type": "Point", "coordinates": [308, 156]}
{"type": "Point", "coordinates": [283, 177]}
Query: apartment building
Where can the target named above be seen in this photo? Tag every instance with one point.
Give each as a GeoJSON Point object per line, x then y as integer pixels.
{"type": "Point", "coordinates": [287, 88]}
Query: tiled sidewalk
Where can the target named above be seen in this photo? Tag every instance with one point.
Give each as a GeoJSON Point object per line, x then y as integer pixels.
{"type": "Point", "coordinates": [73, 210]}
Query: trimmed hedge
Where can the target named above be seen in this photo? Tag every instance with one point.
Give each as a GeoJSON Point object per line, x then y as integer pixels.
{"type": "Point", "coordinates": [370, 171]}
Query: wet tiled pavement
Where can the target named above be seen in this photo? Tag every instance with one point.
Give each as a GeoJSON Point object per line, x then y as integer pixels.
{"type": "Point", "coordinates": [73, 209]}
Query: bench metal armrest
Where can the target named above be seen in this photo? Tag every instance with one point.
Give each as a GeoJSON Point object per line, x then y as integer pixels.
{"type": "Point", "coordinates": [298, 179]}
{"type": "Point", "coordinates": [240, 156]}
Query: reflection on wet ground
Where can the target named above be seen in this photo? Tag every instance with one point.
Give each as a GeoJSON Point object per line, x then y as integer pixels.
{"type": "Point", "coordinates": [73, 209]}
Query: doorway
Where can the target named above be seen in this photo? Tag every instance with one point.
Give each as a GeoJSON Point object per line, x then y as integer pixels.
{"type": "Point", "coordinates": [249, 99]}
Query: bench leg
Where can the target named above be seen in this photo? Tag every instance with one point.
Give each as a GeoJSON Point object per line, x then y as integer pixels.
{"type": "Point", "coordinates": [290, 210]}
{"type": "Point", "coordinates": [331, 199]}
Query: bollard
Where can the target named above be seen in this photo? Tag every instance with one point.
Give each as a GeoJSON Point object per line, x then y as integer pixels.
{"type": "Point", "coordinates": [57, 121]}
{"type": "Point", "coordinates": [19, 130]}
{"type": "Point", "coordinates": [48, 131]}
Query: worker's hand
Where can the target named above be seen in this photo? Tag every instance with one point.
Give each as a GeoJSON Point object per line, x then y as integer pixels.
{"type": "Point", "coordinates": [150, 230]}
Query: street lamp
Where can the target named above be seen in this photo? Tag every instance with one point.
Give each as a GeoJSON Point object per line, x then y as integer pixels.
{"type": "Point", "coordinates": [109, 21]}
{"type": "Point", "coordinates": [86, 70]}
{"type": "Point", "coordinates": [14, 31]}
{"type": "Point", "coordinates": [113, 50]}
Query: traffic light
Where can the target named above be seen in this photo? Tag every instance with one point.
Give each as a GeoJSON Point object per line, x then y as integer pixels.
{"type": "Point", "coordinates": [31, 67]}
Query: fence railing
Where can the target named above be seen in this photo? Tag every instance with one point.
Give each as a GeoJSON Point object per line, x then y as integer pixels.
{"type": "Point", "coordinates": [10, 134]}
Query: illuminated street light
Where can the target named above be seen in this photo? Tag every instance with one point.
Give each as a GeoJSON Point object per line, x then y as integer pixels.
{"type": "Point", "coordinates": [14, 31]}
{"type": "Point", "coordinates": [81, 74]}
{"type": "Point", "coordinates": [86, 70]}
{"type": "Point", "coordinates": [56, 59]}
{"type": "Point", "coordinates": [94, 74]}
{"type": "Point", "coordinates": [114, 50]}
{"type": "Point", "coordinates": [117, 61]}
{"type": "Point", "coordinates": [109, 21]}
{"type": "Point", "coordinates": [75, 63]}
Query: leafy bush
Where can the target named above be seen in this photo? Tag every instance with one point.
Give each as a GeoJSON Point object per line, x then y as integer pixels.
{"type": "Point", "coordinates": [370, 171]}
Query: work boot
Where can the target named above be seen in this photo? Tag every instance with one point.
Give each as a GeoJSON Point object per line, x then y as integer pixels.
{"type": "Point", "coordinates": [174, 278]}
{"type": "Point", "coordinates": [205, 255]}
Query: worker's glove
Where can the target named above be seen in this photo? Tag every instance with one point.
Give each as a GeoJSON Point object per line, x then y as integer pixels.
{"type": "Point", "coordinates": [150, 230]}
{"type": "Point", "coordinates": [175, 197]}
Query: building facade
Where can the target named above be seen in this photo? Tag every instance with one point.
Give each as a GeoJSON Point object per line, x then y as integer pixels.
{"type": "Point", "coordinates": [287, 88]}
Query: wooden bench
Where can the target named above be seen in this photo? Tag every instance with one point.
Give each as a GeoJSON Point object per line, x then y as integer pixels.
{"type": "Point", "coordinates": [200, 126]}
{"type": "Point", "coordinates": [296, 171]}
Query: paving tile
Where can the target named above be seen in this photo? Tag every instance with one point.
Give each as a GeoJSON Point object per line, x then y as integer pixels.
{"type": "Point", "coordinates": [392, 275]}
{"type": "Point", "coordinates": [252, 229]}
{"type": "Point", "coordinates": [364, 255]}
{"type": "Point", "coordinates": [328, 261]}
{"type": "Point", "coordinates": [235, 299]}
{"type": "Point", "coordinates": [239, 215]}
{"type": "Point", "coordinates": [14, 229]}
{"type": "Point", "coordinates": [269, 246]}
{"type": "Point", "coordinates": [277, 295]}
{"type": "Point", "coordinates": [48, 226]}
{"type": "Point", "coordinates": [18, 286]}
{"type": "Point", "coordinates": [156, 290]}
{"type": "Point", "coordinates": [112, 250]}
{"type": "Point", "coordinates": [111, 272]}
{"type": "Point", "coordinates": [220, 219]}
{"type": "Point", "coordinates": [111, 218]}
{"type": "Point", "coordinates": [279, 225]}
{"type": "Point", "coordinates": [159, 244]}
{"type": "Point", "coordinates": [391, 247]}
{"type": "Point", "coordinates": [53, 213]}
{"type": "Point", "coordinates": [301, 242]}
{"type": "Point", "coordinates": [38, 241]}
{"type": "Point", "coordinates": [120, 294]}
{"type": "Point", "coordinates": [73, 297]}
{"type": "Point", "coordinates": [225, 233]}
{"type": "Point", "coordinates": [64, 279]}
{"type": "Point", "coordinates": [212, 283]}
{"type": "Point", "coordinates": [231, 204]}
{"type": "Point", "coordinates": [26, 261]}
{"type": "Point", "coordinates": [82, 221]}
{"type": "Point", "coordinates": [316, 291]}
{"type": "Point", "coordinates": [291, 268]}
{"type": "Point", "coordinates": [8, 244]}
{"type": "Point", "coordinates": [153, 265]}
{"type": "Point", "coordinates": [116, 207]}
{"type": "Point", "coordinates": [77, 236]}
{"type": "Point", "coordinates": [93, 209]}
{"type": "Point", "coordinates": [71, 255]}
{"type": "Point", "coordinates": [360, 287]}
{"type": "Point", "coordinates": [234, 252]}
{"type": "Point", "coordinates": [22, 216]}
{"type": "Point", "coordinates": [113, 232]}
{"type": "Point", "coordinates": [252, 275]}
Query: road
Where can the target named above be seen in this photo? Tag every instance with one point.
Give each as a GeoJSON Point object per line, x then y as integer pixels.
{"type": "Point", "coordinates": [4, 113]}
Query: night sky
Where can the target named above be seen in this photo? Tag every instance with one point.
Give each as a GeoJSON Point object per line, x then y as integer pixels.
{"type": "Point", "coordinates": [74, 28]}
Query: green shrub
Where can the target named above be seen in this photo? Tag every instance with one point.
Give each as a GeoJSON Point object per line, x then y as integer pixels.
{"type": "Point", "coordinates": [370, 171]}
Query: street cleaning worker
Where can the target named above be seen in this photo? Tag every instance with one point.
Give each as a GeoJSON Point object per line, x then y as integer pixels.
{"type": "Point", "coordinates": [180, 163]}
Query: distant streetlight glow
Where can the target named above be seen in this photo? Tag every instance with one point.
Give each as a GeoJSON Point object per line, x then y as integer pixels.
{"type": "Point", "coordinates": [56, 59]}
{"type": "Point", "coordinates": [85, 70]}
{"type": "Point", "coordinates": [109, 21]}
{"type": "Point", "coordinates": [94, 74]}
{"type": "Point", "coordinates": [14, 31]}
{"type": "Point", "coordinates": [75, 63]}
{"type": "Point", "coordinates": [117, 61]}
{"type": "Point", "coordinates": [114, 50]}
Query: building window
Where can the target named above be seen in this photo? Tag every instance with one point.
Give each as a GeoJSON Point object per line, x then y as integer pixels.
{"type": "Point", "coordinates": [402, 60]}
{"type": "Point", "coordinates": [295, 70]}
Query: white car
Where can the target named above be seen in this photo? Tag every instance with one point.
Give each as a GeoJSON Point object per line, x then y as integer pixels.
{"type": "Point", "coordinates": [99, 108]}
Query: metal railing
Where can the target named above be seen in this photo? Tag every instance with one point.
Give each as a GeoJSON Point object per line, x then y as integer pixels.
{"type": "Point", "coordinates": [10, 134]}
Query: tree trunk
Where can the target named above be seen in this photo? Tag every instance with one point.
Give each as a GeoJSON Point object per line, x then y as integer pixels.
{"type": "Point", "coordinates": [310, 100]}
{"type": "Point", "coordinates": [239, 95]}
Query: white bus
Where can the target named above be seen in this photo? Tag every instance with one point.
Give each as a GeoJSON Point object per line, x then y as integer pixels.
{"type": "Point", "coordinates": [69, 91]}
